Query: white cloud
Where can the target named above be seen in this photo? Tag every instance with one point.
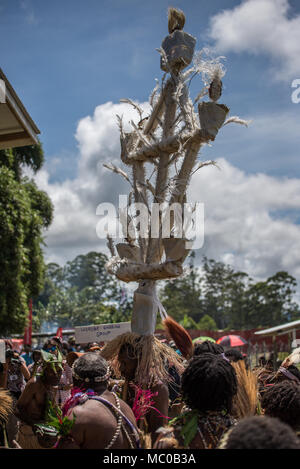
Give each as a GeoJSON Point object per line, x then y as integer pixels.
{"type": "Point", "coordinates": [261, 27]}
{"type": "Point", "coordinates": [244, 221]}
{"type": "Point", "coordinates": [241, 225]}
{"type": "Point", "coordinates": [73, 230]}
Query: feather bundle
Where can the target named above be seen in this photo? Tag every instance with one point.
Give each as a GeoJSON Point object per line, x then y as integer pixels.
{"type": "Point", "coordinates": [143, 403]}
{"type": "Point", "coordinates": [176, 19]}
{"type": "Point", "coordinates": [246, 399]}
{"type": "Point", "coordinates": [180, 336]}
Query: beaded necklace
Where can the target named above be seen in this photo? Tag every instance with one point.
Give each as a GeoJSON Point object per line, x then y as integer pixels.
{"type": "Point", "coordinates": [81, 397]}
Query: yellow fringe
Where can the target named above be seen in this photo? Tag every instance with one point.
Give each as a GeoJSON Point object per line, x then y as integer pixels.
{"type": "Point", "coordinates": [245, 401]}
{"type": "Point", "coordinates": [152, 355]}
{"type": "Point", "coordinates": [6, 405]}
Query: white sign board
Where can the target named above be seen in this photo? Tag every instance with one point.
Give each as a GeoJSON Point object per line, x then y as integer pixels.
{"type": "Point", "coordinates": [2, 351]}
{"type": "Point", "coordinates": [100, 332]}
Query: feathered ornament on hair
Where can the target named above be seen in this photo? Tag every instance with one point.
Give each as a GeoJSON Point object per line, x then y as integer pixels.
{"type": "Point", "coordinates": [180, 336]}
{"type": "Point", "coordinates": [292, 359]}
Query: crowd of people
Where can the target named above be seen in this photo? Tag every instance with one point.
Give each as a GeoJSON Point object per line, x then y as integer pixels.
{"type": "Point", "coordinates": [60, 396]}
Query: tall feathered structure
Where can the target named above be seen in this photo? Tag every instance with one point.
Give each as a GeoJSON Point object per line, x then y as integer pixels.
{"type": "Point", "coordinates": [160, 152]}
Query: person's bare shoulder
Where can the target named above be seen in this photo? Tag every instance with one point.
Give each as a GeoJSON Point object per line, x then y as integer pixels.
{"type": "Point", "coordinates": [90, 412]}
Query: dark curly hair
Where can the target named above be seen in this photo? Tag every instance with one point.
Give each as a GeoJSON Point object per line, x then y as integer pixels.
{"type": "Point", "coordinates": [282, 400]}
{"type": "Point", "coordinates": [209, 383]}
{"type": "Point", "coordinates": [267, 378]}
{"type": "Point", "coordinates": [233, 354]}
{"type": "Point", "coordinates": [207, 347]}
{"type": "Point", "coordinates": [260, 432]}
{"type": "Point", "coordinates": [89, 366]}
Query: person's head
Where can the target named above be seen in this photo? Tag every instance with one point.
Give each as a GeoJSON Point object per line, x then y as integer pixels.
{"type": "Point", "coordinates": [52, 368]}
{"type": "Point", "coordinates": [71, 340]}
{"type": "Point", "coordinates": [36, 356]}
{"type": "Point", "coordinates": [209, 383]}
{"type": "Point", "coordinates": [48, 346]}
{"type": "Point", "coordinates": [270, 362]}
{"type": "Point", "coordinates": [233, 354]}
{"type": "Point", "coordinates": [260, 432]}
{"type": "Point", "coordinates": [56, 341]}
{"type": "Point", "coordinates": [8, 344]}
{"type": "Point", "coordinates": [53, 345]}
{"type": "Point", "coordinates": [93, 347]}
{"type": "Point", "coordinates": [262, 361]}
{"type": "Point", "coordinates": [65, 348]}
{"type": "Point", "coordinates": [92, 344]}
{"type": "Point", "coordinates": [282, 400]}
{"type": "Point", "coordinates": [128, 361]}
{"type": "Point", "coordinates": [27, 348]}
{"type": "Point", "coordinates": [12, 357]}
{"type": "Point", "coordinates": [52, 374]}
{"type": "Point", "coordinates": [90, 371]}
{"type": "Point", "coordinates": [207, 346]}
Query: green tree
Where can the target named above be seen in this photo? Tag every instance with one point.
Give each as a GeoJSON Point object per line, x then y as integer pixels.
{"type": "Point", "coordinates": [207, 323]}
{"type": "Point", "coordinates": [216, 285]}
{"type": "Point", "coordinates": [24, 212]}
{"type": "Point", "coordinates": [270, 303]}
{"type": "Point", "coordinates": [82, 293]}
{"type": "Point", "coordinates": [182, 296]}
{"type": "Point", "coordinates": [188, 323]}
{"type": "Point", "coordinates": [89, 271]}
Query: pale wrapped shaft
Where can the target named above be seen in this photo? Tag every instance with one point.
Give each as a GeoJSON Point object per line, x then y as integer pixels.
{"type": "Point", "coordinates": [133, 272]}
{"type": "Point", "coordinates": [143, 321]}
{"type": "Point", "coordinates": [168, 145]}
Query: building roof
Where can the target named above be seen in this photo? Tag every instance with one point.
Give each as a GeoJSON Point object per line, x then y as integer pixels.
{"type": "Point", "coordinates": [282, 329]}
{"type": "Point", "coordinates": [17, 128]}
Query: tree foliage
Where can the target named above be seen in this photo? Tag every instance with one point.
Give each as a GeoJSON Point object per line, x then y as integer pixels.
{"type": "Point", "coordinates": [81, 293]}
{"type": "Point", "coordinates": [24, 212]}
{"type": "Point", "coordinates": [213, 296]}
{"type": "Point", "coordinates": [182, 297]}
{"type": "Point", "coordinates": [218, 297]}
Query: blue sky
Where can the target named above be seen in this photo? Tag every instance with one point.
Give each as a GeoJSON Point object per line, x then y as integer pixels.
{"type": "Point", "coordinates": [67, 58]}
